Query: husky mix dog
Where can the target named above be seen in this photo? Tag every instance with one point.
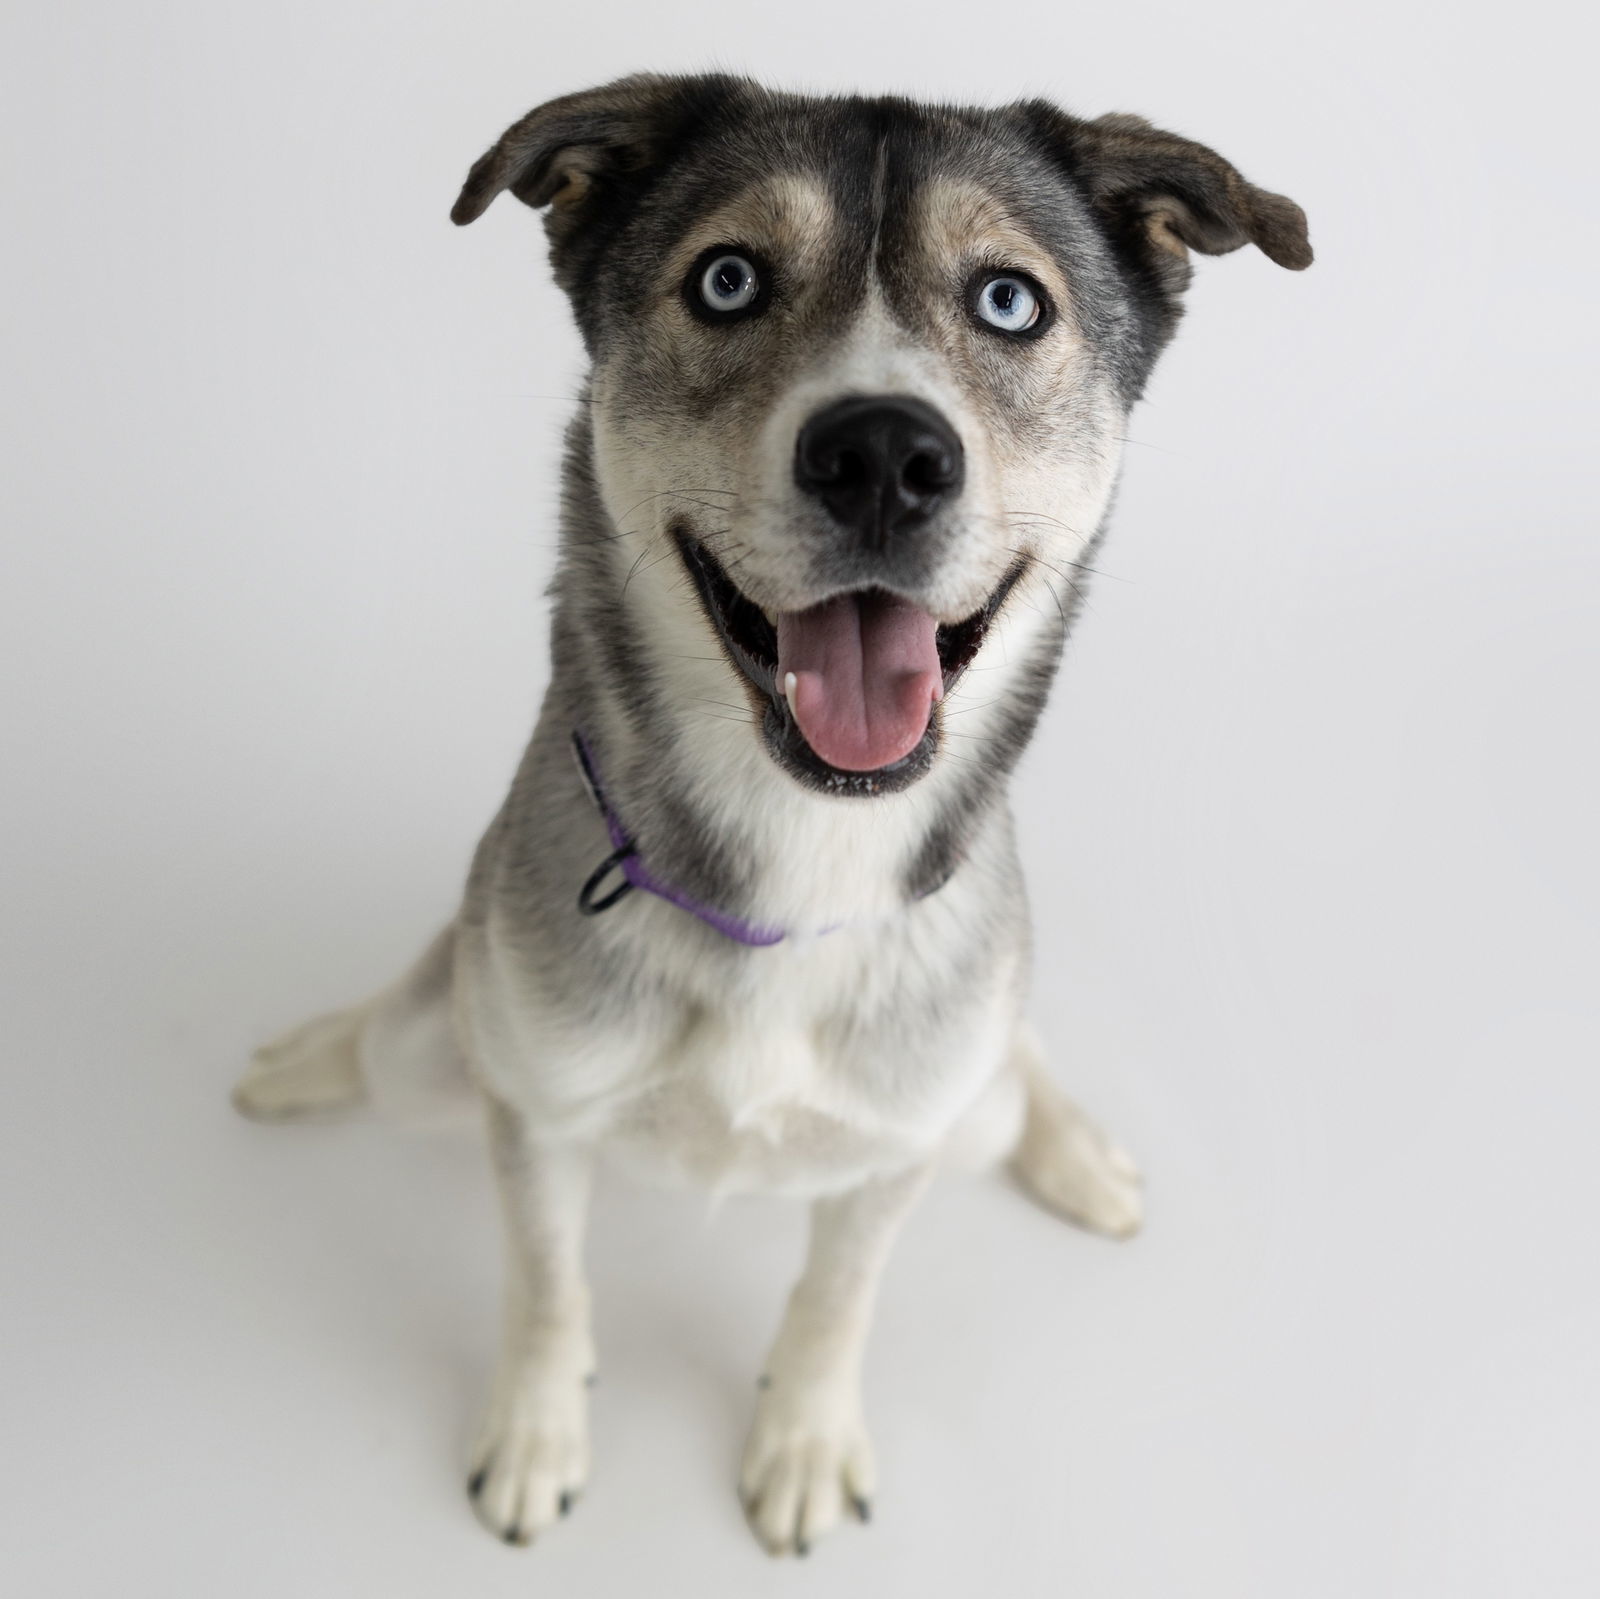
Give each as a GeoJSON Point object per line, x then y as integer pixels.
{"type": "Point", "coordinates": [752, 915]}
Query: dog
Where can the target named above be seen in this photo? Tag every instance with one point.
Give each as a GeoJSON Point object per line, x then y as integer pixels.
{"type": "Point", "coordinates": [752, 915]}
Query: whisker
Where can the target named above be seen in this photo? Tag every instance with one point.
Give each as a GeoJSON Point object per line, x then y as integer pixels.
{"type": "Point", "coordinates": [638, 561]}
{"type": "Point", "coordinates": [1041, 518]}
{"type": "Point", "coordinates": [700, 699]}
{"type": "Point", "coordinates": [662, 494]}
{"type": "Point", "coordinates": [712, 716]}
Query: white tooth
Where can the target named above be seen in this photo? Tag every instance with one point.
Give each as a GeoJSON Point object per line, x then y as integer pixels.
{"type": "Point", "coordinates": [788, 688]}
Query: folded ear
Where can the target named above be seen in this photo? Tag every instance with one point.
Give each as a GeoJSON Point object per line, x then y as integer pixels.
{"type": "Point", "coordinates": [1158, 191]}
{"type": "Point", "coordinates": [582, 151]}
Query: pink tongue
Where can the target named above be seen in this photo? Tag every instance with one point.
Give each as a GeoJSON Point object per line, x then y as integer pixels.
{"type": "Point", "coordinates": [866, 671]}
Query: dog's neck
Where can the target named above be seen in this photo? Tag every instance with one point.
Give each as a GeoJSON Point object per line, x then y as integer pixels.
{"type": "Point", "coordinates": [719, 829]}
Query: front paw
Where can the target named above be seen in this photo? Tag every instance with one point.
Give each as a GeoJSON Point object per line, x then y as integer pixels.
{"type": "Point", "coordinates": [532, 1458]}
{"type": "Point", "coordinates": [808, 1457]}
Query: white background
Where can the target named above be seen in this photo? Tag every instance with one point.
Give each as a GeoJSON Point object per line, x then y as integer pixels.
{"type": "Point", "coordinates": [1310, 828]}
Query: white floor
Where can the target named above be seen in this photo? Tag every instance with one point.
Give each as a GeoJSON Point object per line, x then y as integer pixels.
{"type": "Point", "coordinates": [1355, 1352]}
{"type": "Point", "coordinates": [1310, 829]}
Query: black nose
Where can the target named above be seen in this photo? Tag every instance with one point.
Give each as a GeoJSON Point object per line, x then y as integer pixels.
{"type": "Point", "coordinates": [879, 462]}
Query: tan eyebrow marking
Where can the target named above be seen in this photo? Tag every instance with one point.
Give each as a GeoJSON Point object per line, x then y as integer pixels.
{"type": "Point", "coordinates": [788, 217]}
{"type": "Point", "coordinates": [963, 222]}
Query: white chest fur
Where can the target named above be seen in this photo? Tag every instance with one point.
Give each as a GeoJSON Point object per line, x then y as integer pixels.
{"type": "Point", "coordinates": [800, 1068]}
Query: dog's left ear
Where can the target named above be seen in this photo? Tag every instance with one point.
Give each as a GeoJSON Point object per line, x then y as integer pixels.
{"type": "Point", "coordinates": [1163, 195]}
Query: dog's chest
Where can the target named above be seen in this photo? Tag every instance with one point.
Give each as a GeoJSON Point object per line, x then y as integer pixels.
{"type": "Point", "coordinates": [805, 1067]}
{"type": "Point", "coordinates": [776, 1089]}
{"type": "Point", "coordinates": [735, 1105]}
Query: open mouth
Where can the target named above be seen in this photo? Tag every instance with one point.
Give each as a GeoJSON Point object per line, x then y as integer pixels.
{"type": "Point", "coordinates": [850, 687]}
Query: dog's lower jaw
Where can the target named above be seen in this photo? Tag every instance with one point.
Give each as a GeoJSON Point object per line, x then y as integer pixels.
{"type": "Point", "coordinates": [788, 747]}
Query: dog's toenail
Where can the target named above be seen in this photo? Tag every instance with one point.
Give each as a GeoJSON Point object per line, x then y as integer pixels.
{"type": "Point", "coordinates": [564, 1504]}
{"type": "Point", "coordinates": [802, 1548]}
{"type": "Point", "coordinates": [864, 1509]}
{"type": "Point", "coordinates": [476, 1481]}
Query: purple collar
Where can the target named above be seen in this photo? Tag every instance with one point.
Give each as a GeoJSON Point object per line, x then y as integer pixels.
{"type": "Point", "coordinates": [625, 857]}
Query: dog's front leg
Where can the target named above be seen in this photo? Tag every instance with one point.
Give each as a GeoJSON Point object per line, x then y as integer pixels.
{"type": "Point", "coordinates": [808, 1452]}
{"type": "Point", "coordinates": [532, 1456]}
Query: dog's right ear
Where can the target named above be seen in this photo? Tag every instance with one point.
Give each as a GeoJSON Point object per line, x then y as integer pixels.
{"type": "Point", "coordinates": [575, 153]}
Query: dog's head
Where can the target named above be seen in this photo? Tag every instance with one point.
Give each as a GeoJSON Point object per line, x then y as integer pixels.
{"type": "Point", "coordinates": [864, 363]}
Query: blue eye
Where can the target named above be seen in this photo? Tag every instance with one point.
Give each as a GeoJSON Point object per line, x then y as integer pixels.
{"type": "Point", "coordinates": [729, 283]}
{"type": "Point", "coordinates": [1009, 303]}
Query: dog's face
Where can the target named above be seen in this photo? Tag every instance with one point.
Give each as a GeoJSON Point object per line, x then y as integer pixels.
{"type": "Point", "coordinates": [863, 366]}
